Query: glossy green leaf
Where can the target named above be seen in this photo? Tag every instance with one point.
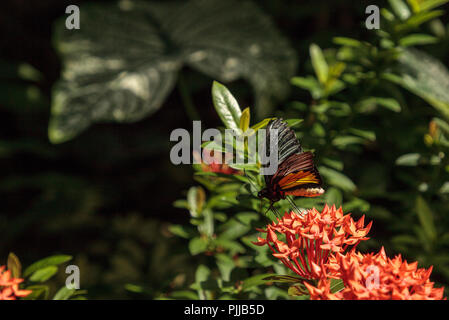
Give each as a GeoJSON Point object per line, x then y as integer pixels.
{"type": "Point", "coordinates": [44, 274]}
{"type": "Point", "coordinates": [49, 261]}
{"type": "Point", "coordinates": [226, 106]}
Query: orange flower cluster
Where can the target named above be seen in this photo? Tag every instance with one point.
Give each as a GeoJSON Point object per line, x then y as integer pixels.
{"type": "Point", "coordinates": [9, 287]}
{"type": "Point", "coordinates": [377, 277]}
{"type": "Point", "coordinates": [312, 238]}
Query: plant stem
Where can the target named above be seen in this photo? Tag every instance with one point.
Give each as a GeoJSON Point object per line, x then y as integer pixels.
{"type": "Point", "coordinates": [187, 100]}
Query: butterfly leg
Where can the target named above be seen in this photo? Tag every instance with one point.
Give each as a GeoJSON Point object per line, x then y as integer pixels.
{"type": "Point", "coordinates": [295, 208]}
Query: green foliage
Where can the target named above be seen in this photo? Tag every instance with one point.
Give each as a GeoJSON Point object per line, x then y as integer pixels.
{"type": "Point", "coordinates": [373, 106]}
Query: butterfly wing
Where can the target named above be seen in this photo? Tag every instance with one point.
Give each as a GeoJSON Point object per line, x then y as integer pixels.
{"type": "Point", "coordinates": [298, 176]}
{"type": "Point", "coordinates": [287, 143]}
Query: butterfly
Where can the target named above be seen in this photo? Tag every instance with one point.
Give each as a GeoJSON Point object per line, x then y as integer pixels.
{"type": "Point", "coordinates": [296, 174]}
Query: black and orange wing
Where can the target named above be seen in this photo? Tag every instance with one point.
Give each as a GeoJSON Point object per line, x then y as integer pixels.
{"type": "Point", "coordinates": [298, 176]}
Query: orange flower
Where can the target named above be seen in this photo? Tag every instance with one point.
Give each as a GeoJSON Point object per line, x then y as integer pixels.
{"type": "Point", "coordinates": [312, 239]}
{"type": "Point", "coordinates": [9, 287]}
{"type": "Point", "coordinates": [377, 277]}
{"type": "Point", "coordinates": [215, 162]}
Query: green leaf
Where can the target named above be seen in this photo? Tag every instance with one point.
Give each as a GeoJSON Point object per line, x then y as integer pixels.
{"type": "Point", "coordinates": [294, 122]}
{"type": "Point", "coordinates": [231, 245]}
{"type": "Point", "coordinates": [319, 63]}
{"type": "Point", "coordinates": [49, 261]}
{"type": "Point", "coordinates": [417, 19]}
{"type": "Point", "coordinates": [226, 106]}
{"type": "Point", "coordinates": [337, 179]}
{"type": "Point", "coordinates": [409, 159]}
{"type": "Point", "coordinates": [298, 290]}
{"type": "Point", "coordinates": [400, 9]}
{"type": "Point", "coordinates": [342, 41]}
{"type": "Point", "coordinates": [417, 39]}
{"type": "Point", "coordinates": [431, 4]}
{"type": "Point", "coordinates": [197, 245]}
{"type": "Point", "coordinates": [64, 294]}
{"type": "Point", "coordinates": [181, 231]}
{"type": "Point", "coordinates": [334, 163]}
{"type": "Point", "coordinates": [14, 265]}
{"type": "Point", "coordinates": [336, 285]}
{"type": "Point", "coordinates": [261, 124]}
{"type": "Point", "coordinates": [44, 274]}
{"type": "Point", "coordinates": [310, 84]}
{"type": "Point", "coordinates": [233, 229]}
{"type": "Point", "coordinates": [369, 135]}
{"type": "Point", "coordinates": [122, 64]}
{"type": "Point", "coordinates": [184, 294]}
{"type": "Point", "coordinates": [425, 216]}
{"type": "Point", "coordinates": [426, 77]}
{"type": "Point", "coordinates": [207, 227]}
{"type": "Point", "coordinates": [388, 103]}
{"type": "Point", "coordinates": [244, 120]}
{"type": "Point", "coordinates": [256, 280]}
{"type": "Point", "coordinates": [415, 4]}
{"type": "Point", "coordinates": [225, 264]}
{"type": "Point", "coordinates": [333, 196]}
{"type": "Point", "coordinates": [284, 279]}
{"type": "Point", "coordinates": [38, 292]}
{"type": "Point", "coordinates": [202, 274]}
{"type": "Point", "coordinates": [196, 198]}
{"type": "Point", "coordinates": [342, 141]}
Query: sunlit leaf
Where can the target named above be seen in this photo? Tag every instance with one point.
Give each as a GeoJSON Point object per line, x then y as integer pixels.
{"type": "Point", "coordinates": [226, 106]}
